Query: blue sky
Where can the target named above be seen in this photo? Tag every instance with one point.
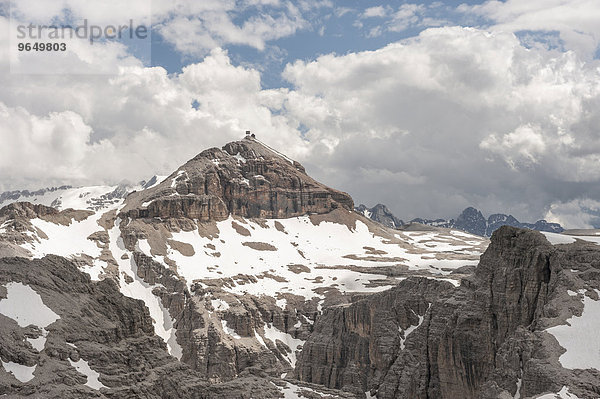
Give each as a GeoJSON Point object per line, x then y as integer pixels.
{"type": "Point", "coordinates": [338, 29]}
{"type": "Point", "coordinates": [428, 107]}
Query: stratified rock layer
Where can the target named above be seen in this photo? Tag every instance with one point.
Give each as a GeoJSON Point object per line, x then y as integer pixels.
{"type": "Point", "coordinates": [245, 178]}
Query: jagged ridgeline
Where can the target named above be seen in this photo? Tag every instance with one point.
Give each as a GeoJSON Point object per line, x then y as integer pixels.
{"type": "Point", "coordinates": [470, 220]}
{"type": "Point", "coordinates": [240, 276]}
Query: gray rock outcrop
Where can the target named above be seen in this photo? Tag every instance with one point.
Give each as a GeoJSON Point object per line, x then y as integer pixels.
{"type": "Point", "coordinates": [484, 339]}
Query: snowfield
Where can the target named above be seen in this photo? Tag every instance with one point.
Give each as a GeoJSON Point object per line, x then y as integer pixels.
{"type": "Point", "coordinates": [274, 257]}
{"type": "Point", "coordinates": [26, 307]}
{"type": "Point", "coordinates": [330, 255]}
{"type": "Point", "coordinates": [67, 241]}
{"type": "Point", "coordinates": [75, 198]}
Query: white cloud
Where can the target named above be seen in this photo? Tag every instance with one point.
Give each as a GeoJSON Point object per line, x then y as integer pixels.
{"type": "Point", "coordinates": [41, 139]}
{"type": "Point", "coordinates": [523, 145]}
{"type": "Point", "coordinates": [583, 213]}
{"type": "Point", "coordinates": [94, 129]}
{"type": "Point", "coordinates": [575, 20]}
{"type": "Point", "coordinates": [341, 11]}
{"type": "Point", "coordinates": [439, 108]}
{"type": "Point", "coordinates": [406, 16]}
{"type": "Point", "coordinates": [97, 12]}
{"type": "Point", "coordinates": [398, 19]}
{"type": "Point", "coordinates": [376, 12]}
{"type": "Point", "coordinates": [199, 32]}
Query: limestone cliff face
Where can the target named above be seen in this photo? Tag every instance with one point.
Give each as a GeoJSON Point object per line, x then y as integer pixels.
{"type": "Point", "coordinates": [244, 178]}
{"type": "Point", "coordinates": [354, 345]}
{"type": "Point", "coordinates": [112, 333]}
{"type": "Point", "coordinates": [484, 339]}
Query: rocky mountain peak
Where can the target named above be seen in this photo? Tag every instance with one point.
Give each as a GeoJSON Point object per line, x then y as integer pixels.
{"type": "Point", "coordinates": [380, 213]}
{"type": "Point", "coordinates": [472, 220]}
{"type": "Point", "coordinates": [245, 178]}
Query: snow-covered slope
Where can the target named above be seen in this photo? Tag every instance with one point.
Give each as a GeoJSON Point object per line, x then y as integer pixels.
{"type": "Point", "coordinates": [290, 267]}
{"type": "Point", "coordinates": [302, 254]}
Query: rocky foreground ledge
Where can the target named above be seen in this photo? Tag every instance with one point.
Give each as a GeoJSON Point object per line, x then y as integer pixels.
{"type": "Point", "coordinates": [501, 334]}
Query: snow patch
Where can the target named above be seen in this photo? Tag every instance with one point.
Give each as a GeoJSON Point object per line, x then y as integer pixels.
{"type": "Point", "coordinates": [410, 329]}
{"type": "Point", "coordinates": [555, 238]}
{"type": "Point", "coordinates": [240, 158]}
{"type": "Point", "coordinates": [281, 303]}
{"type": "Point", "coordinates": [26, 307]}
{"type": "Point", "coordinates": [95, 270]}
{"type": "Point", "coordinates": [174, 180]}
{"type": "Point", "coordinates": [144, 246]}
{"type": "Point", "coordinates": [66, 241]}
{"type": "Point", "coordinates": [21, 373]}
{"type": "Point", "coordinates": [580, 337]}
{"type": "Point", "coordinates": [260, 339]}
{"type": "Point", "coordinates": [518, 392]}
{"type": "Point", "coordinates": [229, 331]}
{"type": "Point", "coordinates": [292, 391]}
{"type": "Point", "coordinates": [274, 334]}
{"type": "Point", "coordinates": [84, 368]}
{"type": "Point", "coordinates": [562, 394]}
{"type": "Point", "coordinates": [40, 342]}
{"type": "Point", "coordinates": [219, 304]}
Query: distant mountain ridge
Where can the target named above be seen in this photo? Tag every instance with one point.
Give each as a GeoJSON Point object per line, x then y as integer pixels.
{"type": "Point", "coordinates": [470, 220]}
{"type": "Point", "coordinates": [90, 197]}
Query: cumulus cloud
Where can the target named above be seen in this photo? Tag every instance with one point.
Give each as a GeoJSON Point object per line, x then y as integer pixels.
{"type": "Point", "coordinates": [41, 139]}
{"type": "Point", "coordinates": [398, 19]}
{"type": "Point", "coordinates": [523, 145]}
{"type": "Point", "coordinates": [473, 117]}
{"type": "Point", "coordinates": [197, 32]}
{"type": "Point", "coordinates": [406, 16]}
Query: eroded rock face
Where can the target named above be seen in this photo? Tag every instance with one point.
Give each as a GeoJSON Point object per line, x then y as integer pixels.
{"type": "Point", "coordinates": [484, 339]}
{"type": "Point", "coordinates": [111, 333]}
{"type": "Point", "coordinates": [354, 345]}
{"type": "Point", "coordinates": [245, 178]}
